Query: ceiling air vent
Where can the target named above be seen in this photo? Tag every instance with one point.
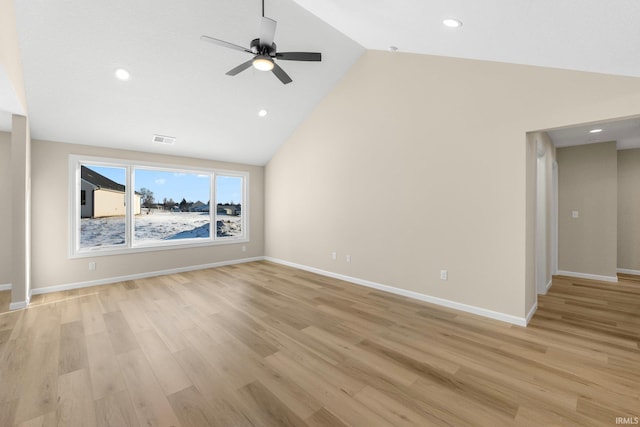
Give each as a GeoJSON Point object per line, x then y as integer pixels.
{"type": "Point", "coordinates": [161, 139]}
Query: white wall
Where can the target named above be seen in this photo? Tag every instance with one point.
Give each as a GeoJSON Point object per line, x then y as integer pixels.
{"type": "Point", "coordinates": [418, 163]}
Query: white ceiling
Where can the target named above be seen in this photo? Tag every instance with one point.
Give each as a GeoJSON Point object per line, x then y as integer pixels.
{"type": "Point", "coordinates": [625, 132]}
{"type": "Point", "coordinates": [587, 35]}
{"type": "Point", "coordinates": [70, 49]}
{"type": "Point", "coordinates": [178, 85]}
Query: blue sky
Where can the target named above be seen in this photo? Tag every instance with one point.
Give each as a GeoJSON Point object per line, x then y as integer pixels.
{"type": "Point", "coordinates": [176, 186]}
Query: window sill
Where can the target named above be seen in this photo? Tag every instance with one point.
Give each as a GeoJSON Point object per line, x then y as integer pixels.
{"type": "Point", "coordinates": [141, 248]}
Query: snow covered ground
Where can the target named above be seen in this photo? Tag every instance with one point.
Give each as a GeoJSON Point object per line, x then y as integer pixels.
{"type": "Point", "coordinates": [157, 226]}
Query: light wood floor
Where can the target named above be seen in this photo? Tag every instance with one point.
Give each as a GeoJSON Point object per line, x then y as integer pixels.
{"type": "Point", "coordinates": [265, 345]}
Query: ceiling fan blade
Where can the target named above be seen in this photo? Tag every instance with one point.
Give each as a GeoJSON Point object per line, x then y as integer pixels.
{"type": "Point", "coordinates": [280, 74]}
{"type": "Point", "coordinates": [299, 56]}
{"type": "Point", "coordinates": [267, 31]}
{"type": "Point", "coordinates": [225, 44]}
{"type": "Point", "coordinates": [240, 68]}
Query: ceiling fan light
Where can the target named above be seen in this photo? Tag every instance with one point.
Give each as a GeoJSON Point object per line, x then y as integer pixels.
{"type": "Point", "coordinates": [263, 63]}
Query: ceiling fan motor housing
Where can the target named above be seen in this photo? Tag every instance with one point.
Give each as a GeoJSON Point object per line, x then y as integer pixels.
{"type": "Point", "coordinates": [259, 49]}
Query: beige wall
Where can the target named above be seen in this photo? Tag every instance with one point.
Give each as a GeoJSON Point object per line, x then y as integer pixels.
{"type": "Point", "coordinates": [587, 183]}
{"type": "Point", "coordinates": [629, 209]}
{"type": "Point", "coordinates": [418, 163]}
{"type": "Point", "coordinates": [20, 205]}
{"type": "Point", "coordinates": [5, 210]}
{"type": "Point", "coordinates": [51, 265]}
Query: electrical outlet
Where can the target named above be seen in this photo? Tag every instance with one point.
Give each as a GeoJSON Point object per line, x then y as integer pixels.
{"type": "Point", "coordinates": [334, 256]}
{"type": "Point", "coordinates": [92, 266]}
{"type": "Point", "coordinates": [444, 274]}
{"type": "Point", "coordinates": [244, 248]}
{"type": "Point", "coordinates": [348, 257]}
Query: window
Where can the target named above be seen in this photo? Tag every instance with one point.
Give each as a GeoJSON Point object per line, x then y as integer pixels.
{"type": "Point", "coordinates": [121, 207]}
{"type": "Point", "coordinates": [102, 216]}
{"type": "Point", "coordinates": [228, 206]}
{"type": "Point", "coordinates": [174, 205]}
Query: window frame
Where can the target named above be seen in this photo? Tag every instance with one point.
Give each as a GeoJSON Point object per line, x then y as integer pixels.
{"type": "Point", "coordinates": [130, 246]}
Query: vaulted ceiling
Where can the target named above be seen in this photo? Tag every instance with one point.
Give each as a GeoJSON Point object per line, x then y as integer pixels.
{"type": "Point", "coordinates": [178, 87]}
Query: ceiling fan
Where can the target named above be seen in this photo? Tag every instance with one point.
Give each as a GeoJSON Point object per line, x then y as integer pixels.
{"type": "Point", "coordinates": [264, 51]}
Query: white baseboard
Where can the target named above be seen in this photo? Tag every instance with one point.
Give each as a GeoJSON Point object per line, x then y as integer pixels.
{"type": "Point", "coordinates": [106, 281]}
{"type": "Point", "coordinates": [532, 312]}
{"type": "Point", "coordinates": [19, 305]}
{"type": "Point", "coordinates": [520, 321]}
{"type": "Point", "coordinates": [627, 271]}
{"type": "Point", "coordinates": [6, 287]}
{"type": "Point", "coordinates": [588, 276]}
{"type": "Point", "coordinates": [546, 288]}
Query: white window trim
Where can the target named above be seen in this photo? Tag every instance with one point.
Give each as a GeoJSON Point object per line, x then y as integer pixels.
{"type": "Point", "coordinates": [75, 161]}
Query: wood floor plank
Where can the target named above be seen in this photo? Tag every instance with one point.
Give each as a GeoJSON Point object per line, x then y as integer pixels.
{"type": "Point", "coordinates": [5, 300]}
{"type": "Point", "coordinates": [71, 310]}
{"type": "Point", "coordinates": [382, 365]}
{"type": "Point", "coordinates": [73, 348]}
{"type": "Point", "coordinates": [106, 376]}
{"type": "Point", "coordinates": [191, 408]}
{"type": "Point", "coordinates": [122, 338]}
{"type": "Point", "coordinates": [266, 408]}
{"type": "Point", "coordinates": [324, 418]}
{"type": "Point", "coordinates": [92, 318]}
{"type": "Point", "coordinates": [8, 412]}
{"type": "Point", "coordinates": [391, 409]}
{"type": "Point", "coordinates": [149, 401]}
{"type": "Point", "coordinates": [165, 367]}
{"type": "Point", "coordinates": [38, 391]}
{"type": "Point", "coordinates": [9, 319]}
{"type": "Point", "coordinates": [201, 374]}
{"type": "Point", "coordinates": [115, 410]}
{"type": "Point", "coordinates": [262, 344]}
{"type": "Point", "coordinates": [332, 397]}
{"type": "Point", "coordinates": [13, 367]}
{"type": "Point", "coordinates": [47, 420]}
{"type": "Point", "coordinates": [135, 315]}
{"type": "Point", "coordinates": [75, 406]}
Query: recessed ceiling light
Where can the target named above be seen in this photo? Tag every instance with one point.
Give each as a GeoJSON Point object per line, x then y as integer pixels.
{"type": "Point", "coordinates": [452, 23]}
{"type": "Point", "coordinates": [595, 131]}
{"type": "Point", "coordinates": [122, 74]}
{"type": "Point", "coordinates": [262, 113]}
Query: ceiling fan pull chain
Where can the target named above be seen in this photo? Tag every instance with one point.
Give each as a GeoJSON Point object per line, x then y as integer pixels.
{"type": "Point", "coordinates": [263, 8]}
